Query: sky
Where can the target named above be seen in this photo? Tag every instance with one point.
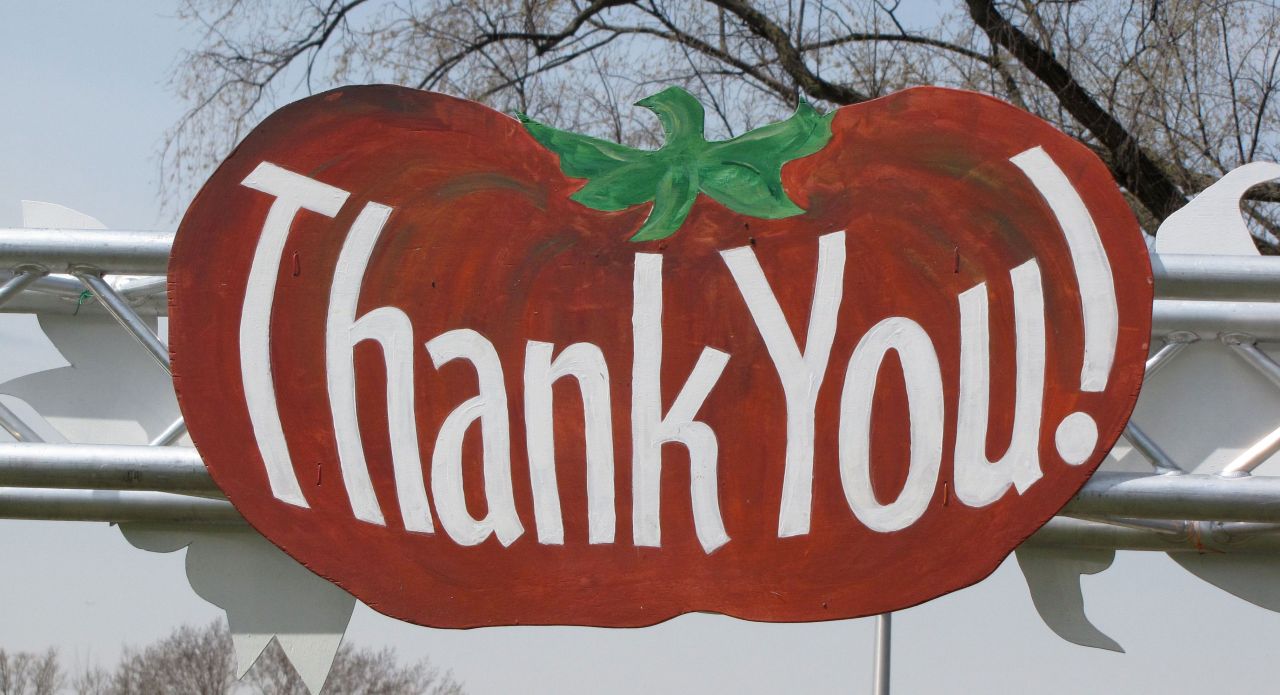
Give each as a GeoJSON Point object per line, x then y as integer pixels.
{"type": "Point", "coordinates": [83, 111]}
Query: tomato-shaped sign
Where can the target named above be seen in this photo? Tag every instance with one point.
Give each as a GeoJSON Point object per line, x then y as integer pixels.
{"type": "Point", "coordinates": [479, 371]}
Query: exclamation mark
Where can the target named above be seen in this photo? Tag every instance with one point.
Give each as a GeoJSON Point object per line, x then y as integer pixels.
{"type": "Point", "coordinates": [1077, 434]}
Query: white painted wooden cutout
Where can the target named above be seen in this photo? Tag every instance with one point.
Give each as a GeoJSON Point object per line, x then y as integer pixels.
{"type": "Point", "coordinates": [801, 373]}
{"type": "Point", "coordinates": [1211, 222]}
{"type": "Point", "coordinates": [1232, 408]}
{"type": "Point", "coordinates": [650, 428]}
{"type": "Point", "coordinates": [110, 391]}
{"type": "Point", "coordinates": [1053, 577]}
{"type": "Point", "coordinates": [265, 593]}
{"type": "Point", "coordinates": [40, 215]}
{"type": "Point", "coordinates": [113, 392]}
{"type": "Point", "coordinates": [293, 194]}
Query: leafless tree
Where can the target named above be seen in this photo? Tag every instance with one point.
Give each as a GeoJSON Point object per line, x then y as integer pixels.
{"type": "Point", "coordinates": [192, 660]}
{"type": "Point", "coordinates": [201, 661]}
{"type": "Point", "coordinates": [355, 672]}
{"type": "Point", "coordinates": [1170, 93]}
{"type": "Point", "coordinates": [23, 673]}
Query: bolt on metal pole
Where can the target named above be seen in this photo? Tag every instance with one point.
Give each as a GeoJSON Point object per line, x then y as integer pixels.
{"type": "Point", "coordinates": [884, 637]}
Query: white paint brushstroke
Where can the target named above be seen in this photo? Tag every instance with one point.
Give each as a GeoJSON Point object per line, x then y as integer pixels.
{"type": "Point", "coordinates": [801, 374]}
{"type": "Point", "coordinates": [292, 192]}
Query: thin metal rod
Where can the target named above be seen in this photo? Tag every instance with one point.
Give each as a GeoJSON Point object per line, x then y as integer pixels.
{"type": "Point", "coordinates": [116, 506]}
{"type": "Point", "coordinates": [19, 282]}
{"type": "Point", "coordinates": [1246, 347]}
{"type": "Point", "coordinates": [58, 286]}
{"type": "Point", "coordinates": [171, 434]}
{"type": "Point", "coordinates": [123, 313]}
{"type": "Point", "coordinates": [1161, 525]}
{"type": "Point", "coordinates": [1151, 451]}
{"type": "Point", "coordinates": [1176, 342]}
{"type": "Point", "coordinates": [884, 648]}
{"type": "Point", "coordinates": [104, 466]}
{"type": "Point", "coordinates": [15, 426]}
{"type": "Point", "coordinates": [1251, 458]}
{"type": "Point", "coordinates": [112, 251]}
{"type": "Point", "coordinates": [38, 302]}
{"type": "Point", "coordinates": [145, 287]}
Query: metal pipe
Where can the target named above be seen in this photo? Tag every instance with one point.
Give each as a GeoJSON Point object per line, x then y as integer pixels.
{"type": "Point", "coordinates": [1245, 346]}
{"type": "Point", "coordinates": [145, 287]}
{"type": "Point", "coordinates": [1174, 343]}
{"type": "Point", "coordinates": [64, 286]}
{"type": "Point", "coordinates": [171, 434]}
{"type": "Point", "coordinates": [112, 251]}
{"type": "Point", "coordinates": [1177, 276]}
{"type": "Point", "coordinates": [884, 647]}
{"type": "Point", "coordinates": [126, 316]}
{"type": "Point", "coordinates": [1201, 536]}
{"type": "Point", "coordinates": [1202, 276]}
{"type": "Point", "coordinates": [1211, 319]}
{"type": "Point", "coordinates": [116, 506]}
{"type": "Point", "coordinates": [104, 466]}
{"type": "Point", "coordinates": [37, 302]}
{"type": "Point", "coordinates": [16, 427]}
{"type": "Point", "coordinates": [1128, 495]}
{"type": "Point", "coordinates": [1254, 456]}
{"type": "Point", "coordinates": [19, 282]}
{"type": "Point", "coordinates": [1161, 525]}
{"type": "Point", "coordinates": [1194, 497]}
{"type": "Point", "coordinates": [1249, 459]}
{"type": "Point", "coordinates": [1149, 449]}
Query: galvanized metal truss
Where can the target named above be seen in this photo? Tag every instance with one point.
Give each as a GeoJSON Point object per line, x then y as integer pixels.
{"type": "Point", "coordinates": [1232, 299]}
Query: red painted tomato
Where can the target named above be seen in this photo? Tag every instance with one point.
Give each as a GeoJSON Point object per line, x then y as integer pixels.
{"type": "Point", "coordinates": [478, 371]}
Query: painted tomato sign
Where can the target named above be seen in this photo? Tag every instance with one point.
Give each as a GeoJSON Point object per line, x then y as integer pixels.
{"type": "Point", "coordinates": [479, 371]}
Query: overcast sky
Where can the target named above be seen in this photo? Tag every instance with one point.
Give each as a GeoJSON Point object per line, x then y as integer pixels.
{"type": "Point", "coordinates": [82, 111]}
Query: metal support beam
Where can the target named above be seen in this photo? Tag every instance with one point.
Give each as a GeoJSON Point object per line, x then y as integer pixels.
{"type": "Point", "coordinates": [1197, 537]}
{"type": "Point", "coordinates": [1200, 276]}
{"type": "Point", "coordinates": [171, 434]}
{"type": "Point", "coordinates": [1210, 319]}
{"type": "Point", "coordinates": [1151, 451]}
{"type": "Point", "coordinates": [104, 466]}
{"type": "Point", "coordinates": [16, 428]}
{"type": "Point", "coordinates": [884, 650]}
{"type": "Point", "coordinates": [19, 282]}
{"type": "Point", "coordinates": [126, 316]}
{"type": "Point", "coordinates": [112, 251]}
{"type": "Point", "coordinates": [115, 506]}
{"type": "Point", "coordinates": [1195, 497]}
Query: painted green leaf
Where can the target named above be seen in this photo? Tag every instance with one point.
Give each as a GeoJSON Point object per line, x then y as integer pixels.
{"type": "Point", "coordinates": [744, 174]}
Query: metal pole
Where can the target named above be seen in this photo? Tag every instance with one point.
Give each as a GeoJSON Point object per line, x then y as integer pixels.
{"type": "Point", "coordinates": [104, 466]}
{"type": "Point", "coordinates": [171, 434]}
{"type": "Point", "coordinates": [116, 506]}
{"type": "Point", "coordinates": [1182, 497]}
{"type": "Point", "coordinates": [1200, 276]}
{"type": "Point", "coordinates": [884, 645]}
{"type": "Point", "coordinates": [126, 316]}
{"type": "Point", "coordinates": [1197, 537]}
{"type": "Point", "coordinates": [1149, 449]}
{"type": "Point", "coordinates": [19, 282]}
{"type": "Point", "coordinates": [19, 430]}
{"type": "Point", "coordinates": [113, 251]}
{"type": "Point", "coordinates": [1210, 319]}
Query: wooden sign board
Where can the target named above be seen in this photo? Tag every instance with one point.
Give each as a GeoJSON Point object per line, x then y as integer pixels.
{"type": "Point", "coordinates": [478, 371]}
